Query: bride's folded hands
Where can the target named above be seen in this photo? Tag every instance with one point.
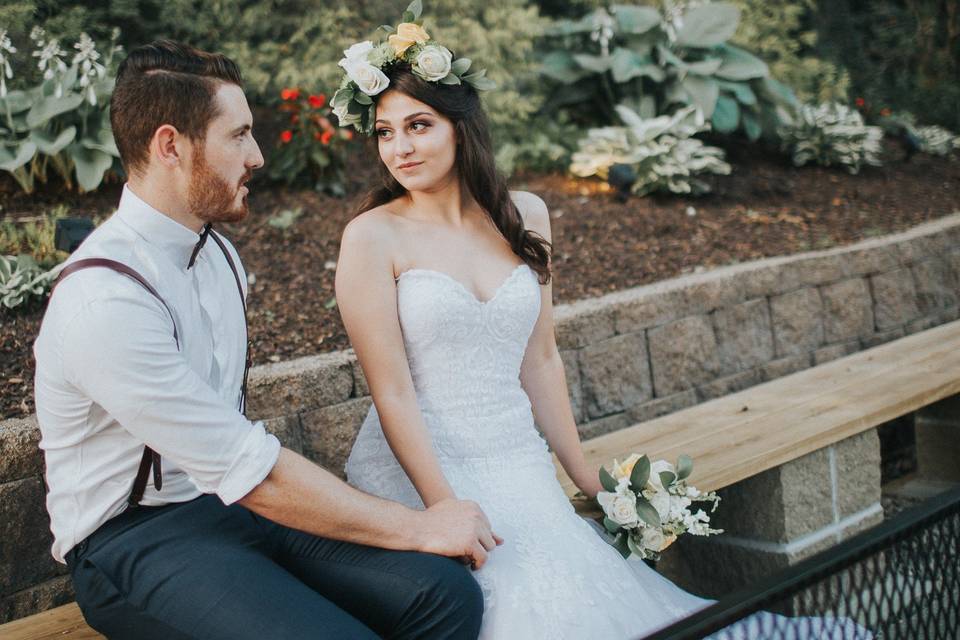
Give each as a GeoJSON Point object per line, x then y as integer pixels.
{"type": "Point", "coordinates": [459, 529]}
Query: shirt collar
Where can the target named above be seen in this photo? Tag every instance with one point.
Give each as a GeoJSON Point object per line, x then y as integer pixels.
{"type": "Point", "coordinates": [158, 229]}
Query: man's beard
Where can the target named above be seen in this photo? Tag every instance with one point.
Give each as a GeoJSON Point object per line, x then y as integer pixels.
{"type": "Point", "coordinates": [211, 198]}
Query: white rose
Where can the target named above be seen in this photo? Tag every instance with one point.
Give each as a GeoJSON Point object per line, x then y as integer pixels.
{"type": "Point", "coordinates": [656, 468]}
{"type": "Point", "coordinates": [653, 538]}
{"type": "Point", "coordinates": [369, 79]}
{"type": "Point", "coordinates": [356, 53]}
{"type": "Point", "coordinates": [433, 63]}
{"type": "Point", "coordinates": [620, 508]}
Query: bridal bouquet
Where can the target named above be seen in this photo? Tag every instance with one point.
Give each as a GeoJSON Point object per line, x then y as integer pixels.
{"type": "Point", "coordinates": [647, 505]}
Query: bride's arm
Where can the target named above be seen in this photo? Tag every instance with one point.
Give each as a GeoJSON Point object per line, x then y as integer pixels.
{"type": "Point", "coordinates": [542, 374]}
{"type": "Point", "coordinates": [367, 299]}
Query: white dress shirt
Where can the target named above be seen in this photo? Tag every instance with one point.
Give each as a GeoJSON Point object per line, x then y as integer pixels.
{"type": "Point", "coordinates": [110, 378]}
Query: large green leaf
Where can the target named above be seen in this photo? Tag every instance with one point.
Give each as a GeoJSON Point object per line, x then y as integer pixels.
{"type": "Point", "coordinates": [620, 544]}
{"type": "Point", "coordinates": [708, 25]}
{"type": "Point", "coordinates": [632, 19]}
{"type": "Point", "coordinates": [779, 92]}
{"type": "Point", "coordinates": [561, 66]}
{"type": "Point", "coordinates": [101, 140]}
{"type": "Point", "coordinates": [703, 92]}
{"type": "Point", "coordinates": [51, 144]}
{"type": "Point", "coordinates": [740, 65]}
{"type": "Point", "coordinates": [16, 101]}
{"type": "Point", "coordinates": [669, 57]}
{"type": "Point", "coordinates": [751, 125]}
{"type": "Point", "coordinates": [607, 481]}
{"type": "Point", "coordinates": [50, 107]}
{"type": "Point", "coordinates": [596, 64]}
{"type": "Point", "coordinates": [726, 116]}
{"type": "Point", "coordinates": [741, 91]}
{"type": "Point", "coordinates": [640, 473]}
{"type": "Point", "coordinates": [706, 67]}
{"type": "Point", "coordinates": [90, 165]}
{"type": "Point", "coordinates": [628, 64]}
{"type": "Point", "coordinates": [20, 156]}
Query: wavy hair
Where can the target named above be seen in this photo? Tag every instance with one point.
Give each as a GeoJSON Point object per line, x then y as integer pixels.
{"type": "Point", "coordinates": [474, 161]}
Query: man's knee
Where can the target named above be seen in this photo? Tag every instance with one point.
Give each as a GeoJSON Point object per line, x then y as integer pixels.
{"type": "Point", "coordinates": [449, 605]}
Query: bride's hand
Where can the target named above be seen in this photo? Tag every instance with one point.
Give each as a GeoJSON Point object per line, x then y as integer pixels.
{"type": "Point", "coordinates": [458, 529]}
{"type": "Point", "coordinates": [589, 484]}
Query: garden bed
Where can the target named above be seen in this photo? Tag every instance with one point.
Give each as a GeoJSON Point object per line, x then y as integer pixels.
{"type": "Point", "coordinates": [765, 208]}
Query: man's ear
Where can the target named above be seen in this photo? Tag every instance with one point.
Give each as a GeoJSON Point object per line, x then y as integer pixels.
{"type": "Point", "coordinates": [165, 146]}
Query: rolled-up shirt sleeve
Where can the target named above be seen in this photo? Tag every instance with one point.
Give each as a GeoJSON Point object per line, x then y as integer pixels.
{"type": "Point", "coordinates": [121, 353]}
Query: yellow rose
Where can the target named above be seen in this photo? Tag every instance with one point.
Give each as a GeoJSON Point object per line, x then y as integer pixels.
{"type": "Point", "coordinates": [624, 469]}
{"type": "Point", "coordinates": [406, 36]}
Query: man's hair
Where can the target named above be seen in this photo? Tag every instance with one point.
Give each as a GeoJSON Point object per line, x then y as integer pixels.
{"type": "Point", "coordinates": [165, 82]}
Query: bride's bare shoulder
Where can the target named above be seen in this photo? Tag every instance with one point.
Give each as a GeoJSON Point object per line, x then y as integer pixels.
{"type": "Point", "coordinates": [375, 227]}
{"type": "Point", "coordinates": [533, 210]}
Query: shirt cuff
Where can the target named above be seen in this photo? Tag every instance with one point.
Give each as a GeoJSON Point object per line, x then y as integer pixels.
{"type": "Point", "coordinates": [257, 456]}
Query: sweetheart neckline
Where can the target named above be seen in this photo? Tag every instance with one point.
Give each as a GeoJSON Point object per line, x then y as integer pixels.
{"type": "Point", "coordinates": [461, 286]}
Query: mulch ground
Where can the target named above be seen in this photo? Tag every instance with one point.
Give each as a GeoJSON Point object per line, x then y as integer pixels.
{"type": "Point", "coordinates": [765, 208]}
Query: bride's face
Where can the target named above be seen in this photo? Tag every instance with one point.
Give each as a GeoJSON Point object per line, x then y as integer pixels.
{"type": "Point", "coordinates": [417, 144]}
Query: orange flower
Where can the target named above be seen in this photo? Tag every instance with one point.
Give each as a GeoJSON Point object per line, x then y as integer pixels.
{"type": "Point", "coordinates": [325, 137]}
{"type": "Point", "coordinates": [317, 101]}
{"type": "Point", "coordinates": [290, 94]}
{"type": "Point", "coordinates": [885, 112]}
{"type": "Point", "coordinates": [860, 102]}
{"type": "Point", "coordinates": [286, 136]}
{"type": "Point", "coordinates": [347, 134]}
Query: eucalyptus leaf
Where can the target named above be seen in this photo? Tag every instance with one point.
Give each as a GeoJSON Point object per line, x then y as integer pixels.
{"type": "Point", "coordinates": [685, 462]}
{"type": "Point", "coordinates": [51, 144]}
{"type": "Point", "coordinates": [51, 107]}
{"type": "Point", "coordinates": [635, 547]}
{"type": "Point", "coordinates": [703, 92]}
{"type": "Point", "coordinates": [407, 17]}
{"type": "Point", "coordinates": [726, 116]}
{"type": "Point", "coordinates": [610, 525]}
{"type": "Point", "coordinates": [667, 478]}
{"type": "Point", "coordinates": [607, 481]}
{"type": "Point", "coordinates": [460, 66]}
{"type": "Point", "coordinates": [363, 98]}
{"type": "Point", "coordinates": [641, 470]}
{"type": "Point", "coordinates": [647, 512]}
{"type": "Point", "coordinates": [90, 165]}
{"type": "Point", "coordinates": [416, 8]}
{"type": "Point", "coordinates": [708, 25]}
{"type": "Point", "coordinates": [633, 19]}
{"type": "Point", "coordinates": [620, 544]}
{"type": "Point", "coordinates": [450, 79]}
{"type": "Point", "coordinates": [481, 83]}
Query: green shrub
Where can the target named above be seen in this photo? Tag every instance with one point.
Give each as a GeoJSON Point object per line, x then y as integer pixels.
{"type": "Point", "coordinates": [832, 134]}
{"type": "Point", "coordinates": [660, 151]}
{"type": "Point", "coordinates": [21, 280]}
{"type": "Point", "coordinates": [33, 237]}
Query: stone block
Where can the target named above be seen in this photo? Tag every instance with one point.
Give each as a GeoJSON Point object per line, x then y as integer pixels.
{"type": "Point", "coordinates": [25, 536]}
{"type": "Point", "coordinates": [920, 324]}
{"type": "Point", "coordinates": [894, 299]}
{"type": "Point", "coordinates": [881, 338]}
{"type": "Point", "coordinates": [329, 432]}
{"type": "Point", "coordinates": [797, 321]}
{"type": "Point", "coordinates": [46, 595]}
{"type": "Point", "coordinates": [835, 351]}
{"type": "Point", "coordinates": [571, 369]}
{"type": "Point", "coordinates": [821, 269]}
{"type": "Point", "coordinates": [728, 384]}
{"type": "Point", "coordinates": [938, 440]}
{"type": "Point", "coordinates": [744, 335]}
{"type": "Point", "coordinates": [857, 460]}
{"type": "Point", "coordinates": [288, 431]}
{"type": "Point", "coordinates": [583, 323]}
{"type": "Point", "coordinates": [360, 386]}
{"type": "Point", "coordinates": [867, 261]}
{"type": "Point", "coordinates": [769, 278]}
{"type": "Point", "coordinates": [785, 366]}
{"type": "Point", "coordinates": [20, 455]}
{"type": "Point", "coordinates": [780, 504]}
{"type": "Point", "coordinates": [953, 260]}
{"type": "Point", "coordinates": [647, 307]}
{"type": "Point", "coordinates": [683, 354]}
{"type": "Point", "coordinates": [847, 310]}
{"type": "Point", "coordinates": [915, 249]}
{"type": "Point", "coordinates": [615, 374]}
{"type": "Point", "coordinates": [603, 426]}
{"type": "Point", "coordinates": [662, 406]}
{"type": "Point", "coordinates": [712, 293]}
{"type": "Point", "coordinates": [935, 286]}
{"type": "Point", "coordinates": [284, 388]}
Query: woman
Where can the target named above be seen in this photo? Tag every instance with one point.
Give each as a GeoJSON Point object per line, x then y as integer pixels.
{"type": "Point", "coordinates": [443, 283]}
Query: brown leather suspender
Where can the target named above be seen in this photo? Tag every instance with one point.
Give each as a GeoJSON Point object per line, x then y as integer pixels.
{"type": "Point", "coordinates": [151, 459]}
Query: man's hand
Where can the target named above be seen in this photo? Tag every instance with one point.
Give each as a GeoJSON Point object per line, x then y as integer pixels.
{"type": "Point", "coordinates": [458, 529]}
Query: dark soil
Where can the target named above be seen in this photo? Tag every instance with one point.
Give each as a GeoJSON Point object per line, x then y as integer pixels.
{"type": "Point", "coordinates": [765, 208]}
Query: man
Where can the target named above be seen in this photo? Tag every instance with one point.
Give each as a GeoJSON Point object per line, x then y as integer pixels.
{"type": "Point", "coordinates": [140, 365]}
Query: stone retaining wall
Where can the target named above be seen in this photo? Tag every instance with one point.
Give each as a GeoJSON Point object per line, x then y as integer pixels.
{"type": "Point", "coordinates": [630, 356]}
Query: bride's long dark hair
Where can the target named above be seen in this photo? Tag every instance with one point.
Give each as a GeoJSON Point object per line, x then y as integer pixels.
{"type": "Point", "coordinates": [474, 161]}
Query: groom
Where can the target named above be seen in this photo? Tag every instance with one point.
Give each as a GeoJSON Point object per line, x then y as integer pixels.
{"type": "Point", "coordinates": [178, 517]}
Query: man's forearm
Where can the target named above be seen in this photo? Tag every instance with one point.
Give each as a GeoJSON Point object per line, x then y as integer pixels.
{"type": "Point", "coordinates": [301, 495]}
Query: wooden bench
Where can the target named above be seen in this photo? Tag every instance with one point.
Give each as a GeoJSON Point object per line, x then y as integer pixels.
{"type": "Point", "coordinates": [737, 436]}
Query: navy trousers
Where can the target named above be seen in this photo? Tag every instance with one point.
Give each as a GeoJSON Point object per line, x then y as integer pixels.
{"type": "Point", "coordinates": [203, 570]}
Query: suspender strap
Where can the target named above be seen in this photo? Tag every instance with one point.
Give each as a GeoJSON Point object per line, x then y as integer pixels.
{"type": "Point", "coordinates": [243, 302]}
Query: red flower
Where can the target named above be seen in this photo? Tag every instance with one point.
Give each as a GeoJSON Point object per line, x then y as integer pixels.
{"type": "Point", "coordinates": [290, 94]}
{"type": "Point", "coordinates": [286, 136]}
{"type": "Point", "coordinates": [317, 135]}
{"type": "Point", "coordinates": [294, 119]}
{"type": "Point", "coordinates": [317, 101]}
{"type": "Point", "coordinates": [860, 102]}
{"type": "Point", "coordinates": [347, 134]}
{"type": "Point", "coordinates": [325, 137]}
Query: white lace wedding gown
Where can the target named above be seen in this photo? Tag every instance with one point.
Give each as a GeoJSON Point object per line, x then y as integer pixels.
{"type": "Point", "coordinates": [554, 577]}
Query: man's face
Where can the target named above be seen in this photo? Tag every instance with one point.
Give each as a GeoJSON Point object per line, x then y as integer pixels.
{"type": "Point", "coordinates": [224, 161]}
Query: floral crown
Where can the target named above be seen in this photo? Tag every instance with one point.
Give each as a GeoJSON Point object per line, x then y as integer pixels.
{"type": "Point", "coordinates": [364, 64]}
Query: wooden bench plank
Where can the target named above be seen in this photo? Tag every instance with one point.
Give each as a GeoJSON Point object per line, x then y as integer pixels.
{"type": "Point", "coordinates": [742, 434]}
{"type": "Point", "coordinates": [61, 623]}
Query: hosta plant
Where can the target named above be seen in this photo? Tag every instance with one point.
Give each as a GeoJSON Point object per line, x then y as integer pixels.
{"type": "Point", "coordinates": [63, 123]}
{"type": "Point", "coordinates": [832, 134]}
{"type": "Point", "coordinates": [22, 279]}
{"type": "Point", "coordinates": [661, 152]}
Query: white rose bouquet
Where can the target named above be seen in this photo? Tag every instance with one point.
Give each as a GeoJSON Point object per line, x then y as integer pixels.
{"type": "Point", "coordinates": [647, 505]}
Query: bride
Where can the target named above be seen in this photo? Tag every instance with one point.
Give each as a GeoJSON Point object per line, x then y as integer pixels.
{"type": "Point", "coordinates": [444, 285]}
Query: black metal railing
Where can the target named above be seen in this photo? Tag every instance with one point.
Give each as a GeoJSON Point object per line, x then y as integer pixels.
{"type": "Point", "coordinates": [898, 580]}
